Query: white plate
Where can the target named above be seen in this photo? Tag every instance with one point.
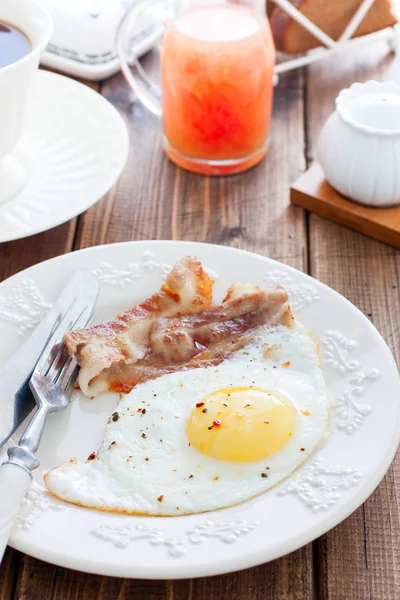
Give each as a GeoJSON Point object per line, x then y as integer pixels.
{"type": "Point", "coordinates": [359, 370]}
{"type": "Point", "coordinates": [74, 147]}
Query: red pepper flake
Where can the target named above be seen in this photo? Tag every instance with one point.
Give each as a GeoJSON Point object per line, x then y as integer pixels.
{"type": "Point", "coordinates": [216, 478]}
{"type": "Point", "coordinates": [139, 409]}
{"type": "Point", "coordinates": [217, 423]}
{"type": "Point", "coordinates": [286, 364]}
{"type": "Point", "coordinates": [115, 416]}
{"type": "Point", "coordinates": [160, 498]}
{"type": "Point", "coordinates": [302, 449]}
{"type": "Point", "coordinates": [198, 404]}
{"type": "Point", "coordinates": [92, 456]}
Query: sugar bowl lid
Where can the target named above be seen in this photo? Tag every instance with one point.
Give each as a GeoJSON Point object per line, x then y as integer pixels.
{"type": "Point", "coordinates": [372, 107]}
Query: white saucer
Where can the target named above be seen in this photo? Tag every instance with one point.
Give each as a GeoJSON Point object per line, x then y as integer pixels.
{"type": "Point", "coordinates": [74, 147]}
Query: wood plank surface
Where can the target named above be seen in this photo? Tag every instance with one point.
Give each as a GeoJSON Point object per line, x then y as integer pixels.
{"type": "Point", "coordinates": [358, 560]}
{"type": "Point", "coordinates": [154, 200]}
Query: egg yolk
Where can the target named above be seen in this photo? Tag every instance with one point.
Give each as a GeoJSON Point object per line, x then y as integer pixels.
{"type": "Point", "coordinates": [242, 424]}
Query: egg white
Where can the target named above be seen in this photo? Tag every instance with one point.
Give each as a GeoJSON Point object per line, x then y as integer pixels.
{"type": "Point", "coordinates": [146, 464]}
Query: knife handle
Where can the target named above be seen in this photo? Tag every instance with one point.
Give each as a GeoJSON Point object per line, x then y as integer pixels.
{"type": "Point", "coordinates": [14, 483]}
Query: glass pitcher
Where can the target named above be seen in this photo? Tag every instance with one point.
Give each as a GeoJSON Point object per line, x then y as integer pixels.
{"type": "Point", "coordinates": [217, 63]}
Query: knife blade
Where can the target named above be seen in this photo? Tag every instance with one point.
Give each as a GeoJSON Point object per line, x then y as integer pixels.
{"type": "Point", "coordinates": [81, 291]}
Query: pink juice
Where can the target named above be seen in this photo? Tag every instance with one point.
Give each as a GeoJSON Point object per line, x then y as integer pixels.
{"type": "Point", "coordinates": [217, 68]}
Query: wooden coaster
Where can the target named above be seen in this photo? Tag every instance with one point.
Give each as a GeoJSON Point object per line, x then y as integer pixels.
{"type": "Point", "coordinates": [313, 192]}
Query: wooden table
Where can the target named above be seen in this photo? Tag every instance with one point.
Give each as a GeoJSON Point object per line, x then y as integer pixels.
{"type": "Point", "coordinates": [359, 559]}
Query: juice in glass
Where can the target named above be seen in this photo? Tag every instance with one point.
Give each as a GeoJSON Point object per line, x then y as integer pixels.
{"type": "Point", "coordinates": [217, 71]}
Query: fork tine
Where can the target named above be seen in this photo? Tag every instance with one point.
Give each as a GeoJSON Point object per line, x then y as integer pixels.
{"type": "Point", "coordinates": [62, 366]}
{"type": "Point", "coordinates": [65, 375]}
{"type": "Point", "coordinates": [61, 355]}
{"type": "Point", "coordinates": [53, 359]}
{"type": "Point", "coordinates": [91, 319]}
{"type": "Point", "coordinates": [67, 384]}
{"type": "Point", "coordinates": [50, 351]}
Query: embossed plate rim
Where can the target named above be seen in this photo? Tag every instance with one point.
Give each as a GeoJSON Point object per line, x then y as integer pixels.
{"type": "Point", "coordinates": [168, 550]}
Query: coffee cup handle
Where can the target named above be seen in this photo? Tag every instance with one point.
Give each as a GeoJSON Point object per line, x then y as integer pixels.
{"type": "Point", "coordinates": [145, 89]}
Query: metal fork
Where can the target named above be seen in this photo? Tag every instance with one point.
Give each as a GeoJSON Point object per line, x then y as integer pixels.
{"type": "Point", "coordinates": [51, 383]}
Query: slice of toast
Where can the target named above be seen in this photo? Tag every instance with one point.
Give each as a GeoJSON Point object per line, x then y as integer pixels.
{"type": "Point", "coordinates": [332, 16]}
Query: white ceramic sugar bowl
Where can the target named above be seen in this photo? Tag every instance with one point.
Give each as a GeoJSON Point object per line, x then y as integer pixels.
{"type": "Point", "coordinates": [359, 145]}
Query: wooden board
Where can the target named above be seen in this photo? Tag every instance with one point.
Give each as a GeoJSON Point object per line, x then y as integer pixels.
{"type": "Point", "coordinates": [312, 192]}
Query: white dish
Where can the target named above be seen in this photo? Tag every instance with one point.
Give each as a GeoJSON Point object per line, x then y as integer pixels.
{"type": "Point", "coordinates": [74, 146]}
{"type": "Point", "coordinates": [360, 372]}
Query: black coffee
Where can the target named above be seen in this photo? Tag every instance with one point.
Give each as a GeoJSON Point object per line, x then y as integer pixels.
{"type": "Point", "coordinates": [14, 45]}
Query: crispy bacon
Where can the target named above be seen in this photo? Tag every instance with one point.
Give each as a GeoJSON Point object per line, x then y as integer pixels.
{"type": "Point", "coordinates": [200, 340]}
{"type": "Point", "coordinates": [125, 340]}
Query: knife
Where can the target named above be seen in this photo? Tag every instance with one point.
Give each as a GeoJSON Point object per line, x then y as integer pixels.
{"type": "Point", "coordinates": [15, 395]}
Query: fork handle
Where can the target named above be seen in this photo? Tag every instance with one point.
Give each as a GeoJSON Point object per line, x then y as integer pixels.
{"type": "Point", "coordinates": [14, 484]}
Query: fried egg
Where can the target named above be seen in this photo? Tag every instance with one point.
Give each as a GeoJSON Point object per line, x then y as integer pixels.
{"type": "Point", "coordinates": [207, 438]}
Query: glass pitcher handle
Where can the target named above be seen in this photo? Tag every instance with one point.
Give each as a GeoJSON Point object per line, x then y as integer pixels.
{"type": "Point", "coordinates": [154, 13]}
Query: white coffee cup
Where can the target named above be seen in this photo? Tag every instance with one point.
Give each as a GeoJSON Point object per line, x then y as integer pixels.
{"type": "Point", "coordinates": [35, 22]}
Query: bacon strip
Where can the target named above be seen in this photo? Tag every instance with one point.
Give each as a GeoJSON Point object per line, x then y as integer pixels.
{"type": "Point", "coordinates": [125, 340]}
{"type": "Point", "coordinates": [203, 339]}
